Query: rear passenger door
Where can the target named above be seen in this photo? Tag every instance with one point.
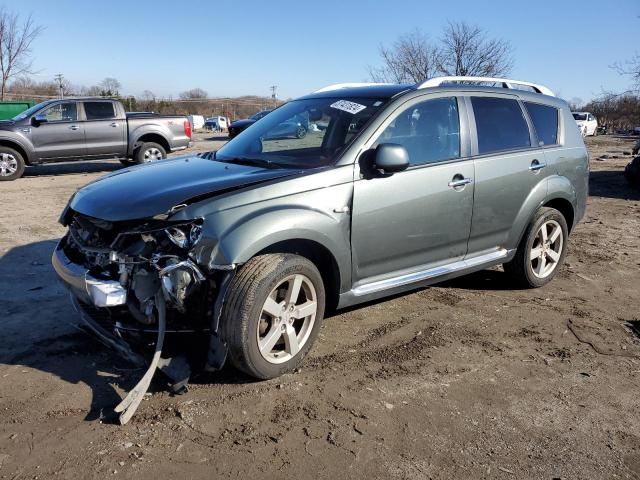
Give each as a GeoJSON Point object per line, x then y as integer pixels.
{"type": "Point", "coordinates": [105, 129]}
{"type": "Point", "coordinates": [418, 218]}
{"type": "Point", "coordinates": [509, 165]}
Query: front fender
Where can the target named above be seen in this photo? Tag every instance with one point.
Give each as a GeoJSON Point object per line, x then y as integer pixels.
{"type": "Point", "coordinates": [234, 236]}
{"type": "Point", "coordinates": [22, 142]}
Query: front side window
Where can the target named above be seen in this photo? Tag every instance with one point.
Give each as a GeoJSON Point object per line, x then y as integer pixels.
{"type": "Point", "coordinates": [430, 131]}
{"type": "Point", "coordinates": [304, 133]}
{"type": "Point", "coordinates": [61, 112]}
{"type": "Point", "coordinates": [545, 121]}
{"type": "Point", "coordinates": [99, 110]}
{"type": "Point", "coordinates": [500, 124]}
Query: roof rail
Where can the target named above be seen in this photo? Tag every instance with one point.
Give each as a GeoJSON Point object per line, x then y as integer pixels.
{"type": "Point", "coordinates": [338, 86]}
{"type": "Point", "coordinates": [506, 83]}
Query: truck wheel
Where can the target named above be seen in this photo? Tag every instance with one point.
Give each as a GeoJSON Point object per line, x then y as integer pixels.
{"type": "Point", "coordinates": [541, 251]}
{"type": "Point", "coordinates": [11, 164]}
{"type": "Point", "coordinates": [272, 314]}
{"type": "Point", "coordinates": [149, 152]}
{"type": "Point", "coordinates": [301, 132]}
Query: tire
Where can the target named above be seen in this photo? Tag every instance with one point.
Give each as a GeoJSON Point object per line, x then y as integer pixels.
{"type": "Point", "coordinates": [301, 132]}
{"type": "Point", "coordinates": [531, 271]}
{"type": "Point", "coordinates": [149, 152]}
{"type": "Point", "coordinates": [262, 284]}
{"type": "Point", "coordinates": [11, 164]}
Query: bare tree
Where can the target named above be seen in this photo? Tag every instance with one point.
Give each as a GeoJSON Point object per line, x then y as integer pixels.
{"type": "Point", "coordinates": [148, 96]}
{"type": "Point", "coordinates": [193, 94]}
{"type": "Point", "coordinates": [411, 59]}
{"type": "Point", "coordinates": [15, 46]}
{"type": "Point", "coordinates": [575, 103]}
{"type": "Point", "coordinates": [630, 68]}
{"type": "Point", "coordinates": [110, 87]}
{"type": "Point", "coordinates": [466, 51]}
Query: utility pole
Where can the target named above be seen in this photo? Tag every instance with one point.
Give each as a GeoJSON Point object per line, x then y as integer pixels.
{"type": "Point", "coordinates": [60, 78]}
{"type": "Point", "coordinates": [274, 96]}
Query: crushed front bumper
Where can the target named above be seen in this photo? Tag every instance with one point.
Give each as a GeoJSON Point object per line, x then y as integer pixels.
{"type": "Point", "coordinates": [94, 291]}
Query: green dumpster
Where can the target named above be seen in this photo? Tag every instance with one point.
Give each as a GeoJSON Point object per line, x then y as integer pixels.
{"type": "Point", "coordinates": [10, 109]}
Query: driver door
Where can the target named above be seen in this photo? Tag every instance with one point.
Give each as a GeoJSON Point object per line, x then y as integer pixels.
{"type": "Point", "coordinates": [416, 219]}
{"type": "Point", "coordinates": [62, 135]}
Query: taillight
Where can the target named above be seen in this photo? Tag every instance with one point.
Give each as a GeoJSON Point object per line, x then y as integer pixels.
{"type": "Point", "coordinates": [187, 128]}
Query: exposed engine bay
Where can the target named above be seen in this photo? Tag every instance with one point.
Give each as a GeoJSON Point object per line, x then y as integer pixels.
{"type": "Point", "coordinates": [140, 281]}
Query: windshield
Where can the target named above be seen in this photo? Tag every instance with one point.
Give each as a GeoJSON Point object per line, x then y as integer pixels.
{"type": "Point", "coordinates": [30, 111]}
{"type": "Point", "coordinates": [302, 133]}
{"type": "Point", "coordinates": [580, 116]}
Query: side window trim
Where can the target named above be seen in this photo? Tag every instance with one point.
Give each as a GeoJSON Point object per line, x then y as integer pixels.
{"type": "Point", "coordinates": [475, 151]}
{"type": "Point", "coordinates": [463, 120]}
{"type": "Point", "coordinates": [559, 140]}
{"type": "Point", "coordinates": [84, 111]}
{"type": "Point", "coordinates": [62, 102]}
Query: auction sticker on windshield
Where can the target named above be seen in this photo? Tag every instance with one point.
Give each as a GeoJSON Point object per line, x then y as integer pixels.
{"type": "Point", "coordinates": [347, 106]}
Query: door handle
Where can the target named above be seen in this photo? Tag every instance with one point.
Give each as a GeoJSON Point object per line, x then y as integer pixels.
{"type": "Point", "coordinates": [114, 124]}
{"type": "Point", "coordinates": [74, 127]}
{"type": "Point", "coordinates": [460, 182]}
{"type": "Point", "coordinates": [536, 165]}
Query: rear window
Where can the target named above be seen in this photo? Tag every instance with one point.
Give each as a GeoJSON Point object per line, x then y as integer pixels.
{"type": "Point", "coordinates": [500, 124]}
{"type": "Point", "coordinates": [98, 110]}
{"type": "Point", "coordinates": [545, 121]}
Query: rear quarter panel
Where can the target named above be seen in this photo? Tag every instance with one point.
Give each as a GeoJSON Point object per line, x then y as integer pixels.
{"type": "Point", "coordinates": [171, 128]}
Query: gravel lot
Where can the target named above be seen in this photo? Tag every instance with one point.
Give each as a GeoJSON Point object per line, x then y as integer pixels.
{"type": "Point", "coordinates": [468, 379]}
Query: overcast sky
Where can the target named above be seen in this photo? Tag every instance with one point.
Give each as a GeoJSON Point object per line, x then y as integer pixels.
{"type": "Point", "coordinates": [243, 47]}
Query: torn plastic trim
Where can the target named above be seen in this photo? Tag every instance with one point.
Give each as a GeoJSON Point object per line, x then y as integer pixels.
{"type": "Point", "coordinates": [217, 354]}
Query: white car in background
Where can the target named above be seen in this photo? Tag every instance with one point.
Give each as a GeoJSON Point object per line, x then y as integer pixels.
{"type": "Point", "coordinates": [587, 123]}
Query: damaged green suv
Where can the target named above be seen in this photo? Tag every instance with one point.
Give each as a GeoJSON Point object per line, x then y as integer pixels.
{"type": "Point", "coordinates": [392, 187]}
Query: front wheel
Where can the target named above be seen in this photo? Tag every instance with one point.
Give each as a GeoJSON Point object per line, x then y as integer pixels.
{"type": "Point", "coordinates": [149, 152]}
{"type": "Point", "coordinates": [11, 164]}
{"type": "Point", "coordinates": [272, 314]}
{"type": "Point", "coordinates": [541, 251]}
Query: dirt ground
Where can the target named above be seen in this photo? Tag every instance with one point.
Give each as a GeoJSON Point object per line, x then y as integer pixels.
{"type": "Point", "coordinates": [468, 379]}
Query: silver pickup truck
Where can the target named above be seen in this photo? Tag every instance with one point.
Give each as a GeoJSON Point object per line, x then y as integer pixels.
{"type": "Point", "coordinates": [87, 129]}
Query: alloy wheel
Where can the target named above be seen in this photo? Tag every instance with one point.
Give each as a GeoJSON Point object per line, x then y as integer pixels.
{"type": "Point", "coordinates": [8, 165]}
{"type": "Point", "coordinates": [287, 319]}
{"type": "Point", "coordinates": [152, 154]}
{"type": "Point", "coordinates": [546, 250]}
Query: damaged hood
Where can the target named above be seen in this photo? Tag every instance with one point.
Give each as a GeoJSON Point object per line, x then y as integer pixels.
{"type": "Point", "coordinates": [147, 190]}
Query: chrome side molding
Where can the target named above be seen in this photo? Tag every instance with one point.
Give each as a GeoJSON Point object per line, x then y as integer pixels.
{"type": "Point", "coordinates": [414, 277]}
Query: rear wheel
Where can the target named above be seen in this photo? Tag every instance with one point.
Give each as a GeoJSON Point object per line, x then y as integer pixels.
{"type": "Point", "coordinates": [149, 152]}
{"type": "Point", "coordinates": [541, 251]}
{"type": "Point", "coordinates": [11, 164]}
{"type": "Point", "coordinates": [272, 314]}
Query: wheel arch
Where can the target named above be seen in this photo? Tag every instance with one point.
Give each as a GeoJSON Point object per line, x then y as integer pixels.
{"type": "Point", "coordinates": [152, 137]}
{"type": "Point", "coordinates": [555, 192]}
{"type": "Point", "coordinates": [18, 148]}
{"type": "Point", "coordinates": [320, 256]}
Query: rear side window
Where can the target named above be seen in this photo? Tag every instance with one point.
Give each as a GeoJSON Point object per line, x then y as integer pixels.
{"type": "Point", "coordinates": [545, 121]}
{"type": "Point", "coordinates": [500, 124]}
{"type": "Point", "coordinates": [99, 110]}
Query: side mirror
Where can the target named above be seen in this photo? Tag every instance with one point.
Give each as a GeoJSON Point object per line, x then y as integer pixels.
{"type": "Point", "coordinates": [39, 118]}
{"type": "Point", "coordinates": [391, 158]}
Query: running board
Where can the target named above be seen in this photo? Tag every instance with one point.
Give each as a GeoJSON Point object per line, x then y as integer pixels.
{"type": "Point", "coordinates": [414, 277]}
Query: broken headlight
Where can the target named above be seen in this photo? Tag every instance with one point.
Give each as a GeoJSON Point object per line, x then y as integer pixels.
{"type": "Point", "coordinates": [185, 236]}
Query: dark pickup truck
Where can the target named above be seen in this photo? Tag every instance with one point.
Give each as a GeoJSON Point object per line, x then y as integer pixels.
{"type": "Point", "coordinates": [87, 129]}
